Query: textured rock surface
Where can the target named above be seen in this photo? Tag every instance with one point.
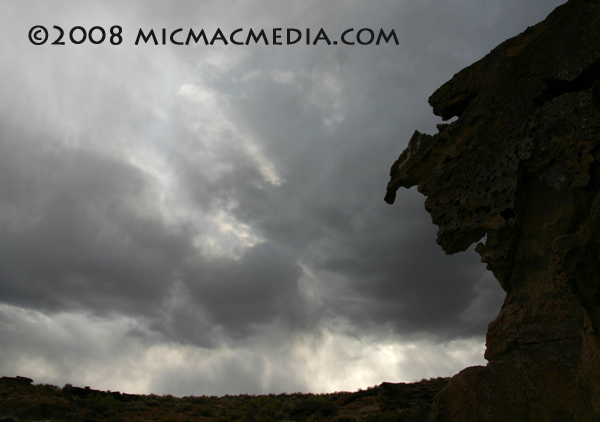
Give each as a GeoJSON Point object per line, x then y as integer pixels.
{"type": "Point", "coordinates": [519, 169]}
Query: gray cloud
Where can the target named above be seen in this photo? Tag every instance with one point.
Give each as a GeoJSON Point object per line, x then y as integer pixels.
{"type": "Point", "coordinates": [217, 213]}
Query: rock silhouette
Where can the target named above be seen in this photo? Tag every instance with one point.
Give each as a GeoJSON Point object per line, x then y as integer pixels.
{"type": "Point", "coordinates": [518, 171]}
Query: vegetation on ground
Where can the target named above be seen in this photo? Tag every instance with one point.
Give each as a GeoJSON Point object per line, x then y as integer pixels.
{"type": "Point", "coordinates": [21, 401]}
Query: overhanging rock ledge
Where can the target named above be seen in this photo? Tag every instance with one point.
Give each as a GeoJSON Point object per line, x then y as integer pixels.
{"type": "Point", "coordinates": [519, 167]}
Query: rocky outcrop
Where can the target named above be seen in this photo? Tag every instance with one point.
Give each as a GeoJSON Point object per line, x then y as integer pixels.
{"type": "Point", "coordinates": [18, 380]}
{"type": "Point", "coordinates": [22, 401]}
{"type": "Point", "coordinates": [518, 171]}
{"type": "Point", "coordinates": [87, 392]}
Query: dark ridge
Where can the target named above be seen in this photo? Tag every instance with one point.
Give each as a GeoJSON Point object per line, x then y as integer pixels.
{"type": "Point", "coordinates": [21, 402]}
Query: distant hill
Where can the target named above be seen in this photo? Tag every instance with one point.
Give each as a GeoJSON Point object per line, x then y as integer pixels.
{"type": "Point", "coordinates": [21, 400]}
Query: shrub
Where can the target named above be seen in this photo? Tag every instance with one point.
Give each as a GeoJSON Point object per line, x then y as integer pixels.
{"type": "Point", "coordinates": [204, 411]}
{"type": "Point", "coordinates": [135, 407]}
{"type": "Point", "coordinates": [66, 390]}
{"type": "Point", "coordinates": [184, 407]}
{"type": "Point", "coordinates": [196, 400]}
{"type": "Point", "coordinates": [153, 403]}
{"type": "Point", "coordinates": [51, 388]}
{"type": "Point", "coordinates": [102, 404]}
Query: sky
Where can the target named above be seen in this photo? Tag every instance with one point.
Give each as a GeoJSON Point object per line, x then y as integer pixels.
{"type": "Point", "coordinates": [209, 219]}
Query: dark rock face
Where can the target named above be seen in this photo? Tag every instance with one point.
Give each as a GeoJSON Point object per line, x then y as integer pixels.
{"type": "Point", "coordinates": [87, 391]}
{"type": "Point", "coordinates": [520, 167]}
{"type": "Point", "coordinates": [18, 380]}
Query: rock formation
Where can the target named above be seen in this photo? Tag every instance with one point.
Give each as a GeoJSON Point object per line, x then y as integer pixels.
{"type": "Point", "coordinates": [519, 169]}
{"type": "Point", "coordinates": [18, 380]}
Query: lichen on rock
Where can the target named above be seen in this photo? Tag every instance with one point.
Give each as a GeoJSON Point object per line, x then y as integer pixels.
{"type": "Point", "coordinates": [519, 167]}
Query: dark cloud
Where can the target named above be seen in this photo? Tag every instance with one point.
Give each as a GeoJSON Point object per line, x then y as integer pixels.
{"type": "Point", "coordinates": [79, 230]}
{"type": "Point", "coordinates": [219, 210]}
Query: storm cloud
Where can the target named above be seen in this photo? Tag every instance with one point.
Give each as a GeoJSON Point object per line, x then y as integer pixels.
{"type": "Point", "coordinates": [210, 219]}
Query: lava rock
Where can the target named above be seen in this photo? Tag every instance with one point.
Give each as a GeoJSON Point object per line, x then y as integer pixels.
{"type": "Point", "coordinates": [519, 167]}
